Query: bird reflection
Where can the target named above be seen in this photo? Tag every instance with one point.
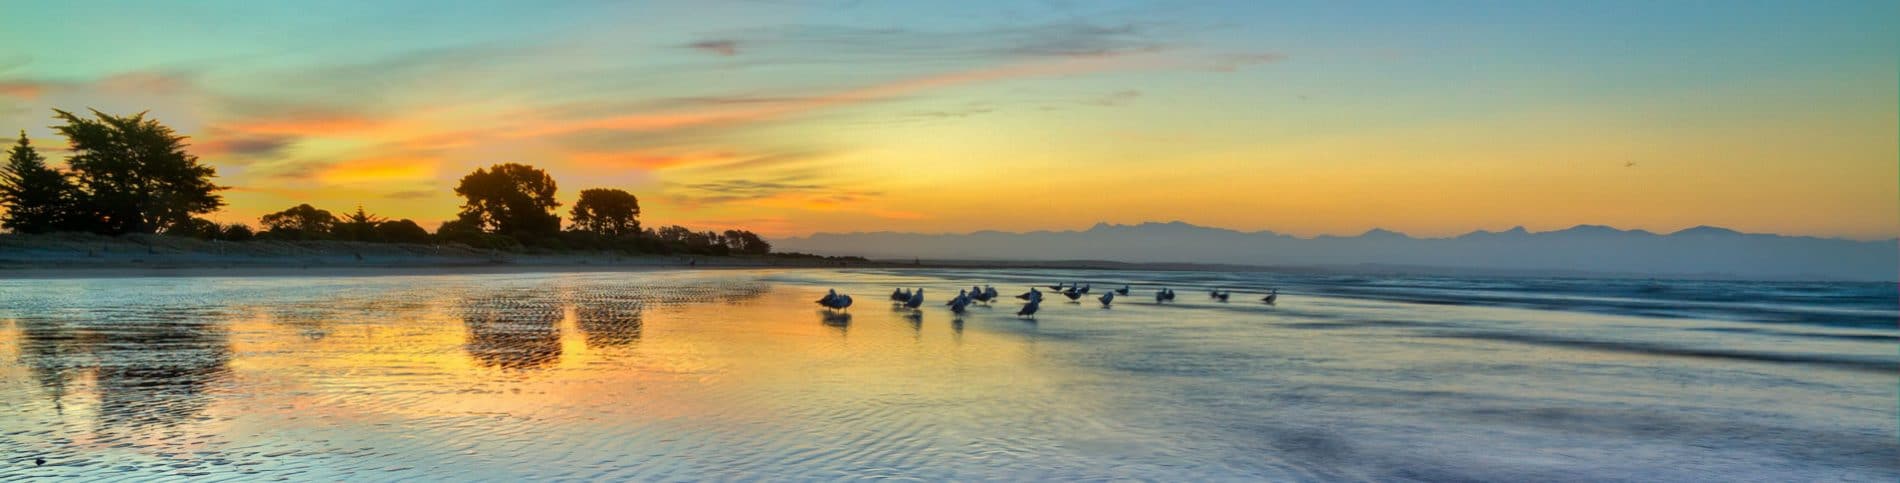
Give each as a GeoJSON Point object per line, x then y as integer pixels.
{"type": "Point", "coordinates": [838, 320]}
{"type": "Point", "coordinates": [515, 331]}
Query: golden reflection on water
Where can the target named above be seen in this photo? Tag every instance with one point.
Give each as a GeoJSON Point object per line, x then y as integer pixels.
{"type": "Point", "coordinates": [481, 367]}
{"type": "Point", "coordinates": [668, 375]}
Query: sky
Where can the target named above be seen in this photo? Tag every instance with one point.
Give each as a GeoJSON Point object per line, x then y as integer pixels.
{"type": "Point", "coordinates": [791, 117]}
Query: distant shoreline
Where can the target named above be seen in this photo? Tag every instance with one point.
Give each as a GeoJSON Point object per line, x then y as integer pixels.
{"type": "Point", "coordinates": [86, 256]}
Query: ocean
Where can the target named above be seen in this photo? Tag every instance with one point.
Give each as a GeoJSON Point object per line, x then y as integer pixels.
{"type": "Point", "coordinates": [738, 374]}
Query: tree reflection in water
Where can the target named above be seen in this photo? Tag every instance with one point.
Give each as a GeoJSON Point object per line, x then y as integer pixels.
{"type": "Point", "coordinates": [152, 367]}
{"type": "Point", "coordinates": [607, 319]}
{"type": "Point", "coordinates": [516, 330]}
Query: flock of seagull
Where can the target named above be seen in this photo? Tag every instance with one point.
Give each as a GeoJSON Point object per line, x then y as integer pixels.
{"type": "Point", "coordinates": [986, 294]}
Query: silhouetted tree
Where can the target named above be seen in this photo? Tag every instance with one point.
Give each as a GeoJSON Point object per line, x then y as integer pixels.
{"type": "Point", "coordinates": [401, 231]}
{"type": "Point", "coordinates": [358, 226]}
{"type": "Point", "coordinates": [607, 212]}
{"type": "Point", "coordinates": [299, 222]}
{"type": "Point", "coordinates": [747, 242]}
{"type": "Point", "coordinates": [510, 199]}
{"type": "Point", "coordinates": [37, 197]}
{"type": "Point", "coordinates": [237, 232]}
{"type": "Point", "coordinates": [134, 174]}
{"type": "Point", "coordinates": [199, 228]}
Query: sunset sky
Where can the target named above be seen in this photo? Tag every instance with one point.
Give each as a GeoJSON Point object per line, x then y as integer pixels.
{"type": "Point", "coordinates": [790, 117]}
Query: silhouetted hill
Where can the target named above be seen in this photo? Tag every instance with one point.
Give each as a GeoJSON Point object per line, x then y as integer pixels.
{"type": "Point", "coordinates": [1699, 251]}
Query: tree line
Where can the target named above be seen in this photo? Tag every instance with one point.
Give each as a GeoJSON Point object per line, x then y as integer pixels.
{"type": "Point", "coordinates": [131, 174]}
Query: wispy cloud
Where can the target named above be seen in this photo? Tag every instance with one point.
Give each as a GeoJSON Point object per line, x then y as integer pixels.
{"type": "Point", "coordinates": [717, 46]}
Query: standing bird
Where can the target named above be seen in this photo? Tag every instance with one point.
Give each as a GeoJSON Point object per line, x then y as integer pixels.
{"type": "Point", "coordinates": [1213, 293]}
{"type": "Point", "coordinates": [840, 302]}
{"type": "Point", "coordinates": [1085, 289]}
{"type": "Point", "coordinates": [1170, 294]}
{"type": "Point", "coordinates": [958, 304]}
{"type": "Point", "coordinates": [989, 293]}
{"type": "Point", "coordinates": [962, 296]}
{"type": "Point", "coordinates": [1271, 297]}
{"type": "Point", "coordinates": [916, 299]}
{"type": "Point", "coordinates": [1031, 295]}
{"type": "Point", "coordinates": [1107, 298]}
{"type": "Point", "coordinates": [899, 295]}
{"type": "Point", "coordinates": [1072, 293]}
{"type": "Point", "coordinates": [1161, 295]}
{"type": "Point", "coordinates": [1123, 290]}
{"type": "Point", "coordinates": [1029, 310]}
{"type": "Point", "coordinates": [1222, 296]}
{"type": "Point", "coordinates": [829, 295]}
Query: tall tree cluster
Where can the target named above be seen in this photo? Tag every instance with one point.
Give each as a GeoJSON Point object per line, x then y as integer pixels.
{"type": "Point", "coordinates": [127, 174]}
{"type": "Point", "coordinates": [131, 174]}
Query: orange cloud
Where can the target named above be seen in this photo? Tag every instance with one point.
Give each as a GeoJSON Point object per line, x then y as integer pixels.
{"type": "Point", "coordinates": [769, 111]}
{"type": "Point", "coordinates": [23, 90]}
{"type": "Point", "coordinates": [377, 170]}
{"type": "Point", "coordinates": [321, 125]}
{"type": "Point", "coordinates": [647, 160]}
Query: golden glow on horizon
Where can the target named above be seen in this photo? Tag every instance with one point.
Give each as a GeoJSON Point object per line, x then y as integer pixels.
{"type": "Point", "coordinates": [792, 132]}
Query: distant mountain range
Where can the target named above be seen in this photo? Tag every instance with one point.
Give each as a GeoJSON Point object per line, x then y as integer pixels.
{"type": "Point", "coordinates": [1703, 251]}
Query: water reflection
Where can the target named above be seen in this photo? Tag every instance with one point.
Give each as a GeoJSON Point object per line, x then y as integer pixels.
{"type": "Point", "coordinates": [309, 322]}
{"type": "Point", "coordinates": [608, 321]}
{"type": "Point", "coordinates": [516, 330]}
{"type": "Point", "coordinates": [837, 320]}
{"type": "Point", "coordinates": [156, 370]}
{"type": "Point", "coordinates": [150, 367]}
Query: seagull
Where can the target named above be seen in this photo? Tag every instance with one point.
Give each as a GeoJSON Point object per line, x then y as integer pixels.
{"type": "Point", "coordinates": [1271, 297]}
{"type": "Point", "coordinates": [1031, 295]}
{"type": "Point", "coordinates": [1085, 289]}
{"type": "Point", "coordinates": [962, 296]}
{"type": "Point", "coordinates": [1223, 296]}
{"type": "Point", "coordinates": [1161, 295]}
{"type": "Point", "coordinates": [916, 299]}
{"type": "Point", "coordinates": [1072, 293]}
{"type": "Point", "coordinates": [899, 295]}
{"type": "Point", "coordinates": [1029, 310]}
{"type": "Point", "coordinates": [1213, 293]}
{"type": "Point", "coordinates": [829, 295]}
{"type": "Point", "coordinates": [1057, 287]}
{"type": "Point", "coordinates": [957, 305]}
{"type": "Point", "coordinates": [1123, 290]}
{"type": "Point", "coordinates": [1170, 294]}
{"type": "Point", "coordinates": [986, 295]}
{"type": "Point", "coordinates": [1108, 298]}
{"type": "Point", "coordinates": [839, 302]}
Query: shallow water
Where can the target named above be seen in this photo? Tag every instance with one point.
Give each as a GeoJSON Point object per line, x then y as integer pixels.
{"type": "Point", "coordinates": [737, 374]}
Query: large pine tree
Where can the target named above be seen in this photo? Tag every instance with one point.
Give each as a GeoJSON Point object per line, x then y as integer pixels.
{"type": "Point", "coordinates": [37, 197]}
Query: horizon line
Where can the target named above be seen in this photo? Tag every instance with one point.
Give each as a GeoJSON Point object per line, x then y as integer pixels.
{"type": "Point", "coordinates": [1368, 231]}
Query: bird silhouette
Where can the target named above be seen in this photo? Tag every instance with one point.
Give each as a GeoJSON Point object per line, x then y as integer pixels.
{"type": "Point", "coordinates": [916, 299]}
{"type": "Point", "coordinates": [1272, 297]}
{"type": "Point", "coordinates": [1032, 294]}
{"type": "Point", "coordinates": [1107, 298]}
{"type": "Point", "coordinates": [839, 302]}
{"type": "Point", "coordinates": [1029, 309]}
